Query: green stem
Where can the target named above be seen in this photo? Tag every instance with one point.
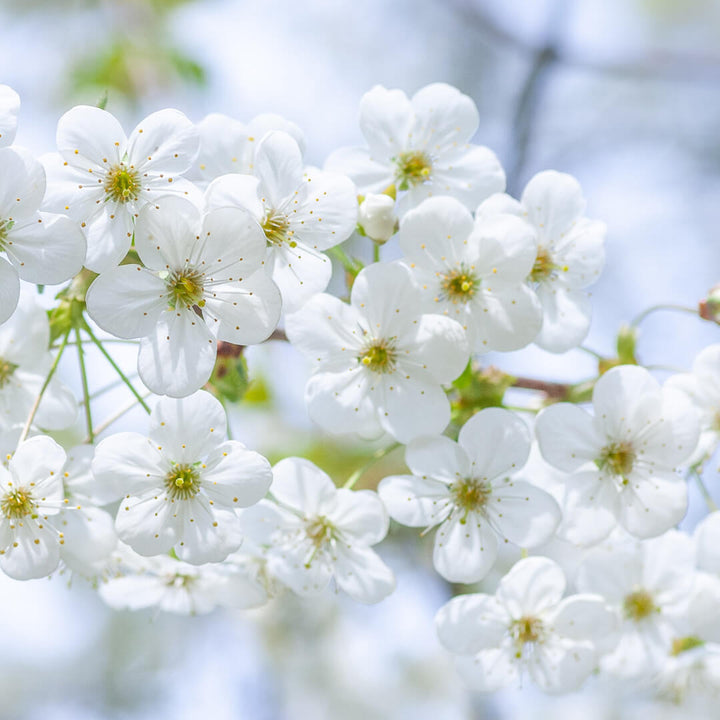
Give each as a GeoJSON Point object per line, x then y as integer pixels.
{"type": "Point", "coordinates": [351, 265]}
{"type": "Point", "coordinates": [518, 408]}
{"type": "Point", "coordinates": [712, 505]}
{"type": "Point", "coordinates": [665, 307]}
{"type": "Point", "coordinates": [376, 252]}
{"type": "Point", "coordinates": [589, 351]}
{"type": "Point", "coordinates": [115, 367]}
{"type": "Point", "coordinates": [36, 404]}
{"type": "Point", "coordinates": [381, 453]}
{"type": "Point", "coordinates": [86, 390]}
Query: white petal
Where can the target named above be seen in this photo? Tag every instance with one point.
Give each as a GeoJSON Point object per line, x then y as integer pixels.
{"type": "Point", "coordinates": [489, 670]}
{"type": "Point", "coordinates": [587, 617]}
{"type": "Point", "coordinates": [205, 533]}
{"type": "Point", "coordinates": [235, 191]}
{"type": "Point", "coordinates": [553, 202]}
{"type": "Point", "coordinates": [444, 117]}
{"type": "Point", "coordinates": [22, 183]}
{"type": "Point", "coordinates": [243, 313]}
{"type": "Point", "coordinates": [507, 248]}
{"type": "Point", "coordinates": [566, 317]}
{"type": "Point", "coordinates": [415, 501]}
{"type": "Point", "coordinates": [439, 458]}
{"type": "Point", "coordinates": [279, 166]}
{"type": "Point", "coordinates": [470, 623]}
{"type": "Point", "coordinates": [707, 539]}
{"type": "Point", "coordinates": [9, 290]}
{"type": "Point", "coordinates": [523, 513]}
{"type": "Point", "coordinates": [179, 357]}
{"type": "Point", "coordinates": [385, 120]}
{"type": "Point", "coordinates": [533, 585]}
{"type": "Point", "coordinates": [652, 502]}
{"type": "Point", "coordinates": [88, 135]}
{"type": "Point", "coordinates": [496, 441]}
{"type": "Point", "coordinates": [128, 464]}
{"type": "Point", "coordinates": [49, 250]}
{"type": "Point", "coordinates": [302, 485]}
{"type": "Point", "coordinates": [465, 551]}
{"type": "Point", "coordinates": [567, 436]}
{"type": "Point", "coordinates": [127, 301]}
{"type": "Point", "coordinates": [299, 273]}
{"type": "Point", "coordinates": [368, 175]}
{"type": "Point", "coordinates": [109, 235]}
{"type": "Point", "coordinates": [145, 523]}
{"type": "Point", "coordinates": [561, 665]}
{"type": "Point", "coordinates": [90, 538]}
{"type": "Point", "coordinates": [590, 508]}
{"type": "Point", "coordinates": [165, 141]}
{"type": "Point", "coordinates": [39, 461]}
{"type": "Point", "coordinates": [188, 428]}
{"type": "Point", "coordinates": [360, 516]}
{"type": "Point", "coordinates": [361, 573]}
{"type": "Point", "coordinates": [33, 553]}
{"type": "Point", "coordinates": [9, 109]}
{"type": "Point", "coordinates": [235, 476]}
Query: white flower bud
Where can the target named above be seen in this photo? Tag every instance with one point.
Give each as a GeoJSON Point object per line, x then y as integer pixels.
{"type": "Point", "coordinates": [377, 217]}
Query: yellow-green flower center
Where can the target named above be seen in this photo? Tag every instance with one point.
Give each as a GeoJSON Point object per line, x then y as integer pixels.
{"type": "Point", "coordinates": [182, 482]}
{"type": "Point", "coordinates": [618, 459]}
{"type": "Point", "coordinates": [544, 266]}
{"type": "Point", "coordinates": [17, 504]}
{"type": "Point", "coordinates": [319, 530]}
{"type": "Point", "coordinates": [276, 227]}
{"type": "Point", "coordinates": [122, 184]}
{"type": "Point", "coordinates": [5, 227]}
{"type": "Point", "coordinates": [413, 168]}
{"type": "Point", "coordinates": [185, 288]}
{"type": "Point", "coordinates": [526, 630]}
{"type": "Point", "coordinates": [470, 495]}
{"type": "Point", "coordinates": [6, 371]}
{"type": "Point", "coordinates": [380, 357]}
{"type": "Point", "coordinates": [638, 605]}
{"type": "Point", "coordinates": [459, 285]}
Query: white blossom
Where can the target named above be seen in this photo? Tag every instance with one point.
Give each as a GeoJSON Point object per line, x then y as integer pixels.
{"type": "Point", "coordinates": [421, 146]}
{"type": "Point", "coordinates": [379, 363]}
{"type": "Point", "coordinates": [470, 490]}
{"type": "Point", "coordinates": [9, 110]}
{"type": "Point", "coordinates": [621, 460]}
{"type": "Point", "coordinates": [527, 627]}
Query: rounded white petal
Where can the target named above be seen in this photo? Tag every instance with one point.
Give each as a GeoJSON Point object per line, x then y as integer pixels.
{"type": "Point", "coordinates": [236, 477]}
{"type": "Point", "coordinates": [553, 202]}
{"type": "Point", "coordinates": [299, 273]}
{"type": "Point", "coordinates": [9, 109]}
{"type": "Point", "coordinates": [489, 670]}
{"type": "Point", "coordinates": [415, 501]}
{"type": "Point", "coordinates": [145, 523]}
{"type": "Point", "coordinates": [22, 184]}
{"type": "Point", "coordinates": [179, 357]}
{"type": "Point", "coordinates": [531, 586]}
{"type": "Point", "coordinates": [204, 533]}
{"type": "Point", "coordinates": [360, 516]}
{"type": "Point", "coordinates": [386, 118]}
{"type": "Point", "coordinates": [302, 485]}
{"type": "Point", "coordinates": [235, 191]}
{"type": "Point", "coordinates": [164, 142]}
{"type": "Point", "coordinates": [437, 458]}
{"type": "Point", "coordinates": [9, 290]}
{"type": "Point", "coordinates": [34, 551]}
{"type": "Point", "coordinates": [127, 301]}
{"type": "Point", "coordinates": [465, 549]}
{"type": "Point", "coordinates": [470, 623]}
{"type": "Point", "coordinates": [565, 317]}
{"type": "Point", "coordinates": [279, 166]}
{"type": "Point", "coordinates": [87, 136]}
{"type": "Point", "coordinates": [567, 436]}
{"type": "Point", "coordinates": [361, 573]}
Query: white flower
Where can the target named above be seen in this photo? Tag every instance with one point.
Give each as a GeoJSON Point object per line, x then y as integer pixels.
{"type": "Point", "coordinates": [9, 109]}
{"type": "Point", "coordinates": [376, 216]}
{"type": "Point", "coordinates": [474, 272]}
{"type": "Point", "coordinates": [705, 603]}
{"type": "Point", "coordinates": [380, 363]}
{"type": "Point", "coordinates": [228, 146]}
{"type": "Point", "coordinates": [203, 280]}
{"type": "Point", "coordinates": [421, 146]}
{"type": "Point", "coordinates": [570, 254]}
{"type": "Point", "coordinates": [182, 484]}
{"type": "Point", "coordinates": [32, 492]}
{"type": "Point", "coordinates": [702, 388]}
{"type": "Point", "coordinates": [316, 532]}
{"type": "Point", "coordinates": [107, 178]}
{"type": "Point", "coordinates": [527, 627]}
{"type": "Point", "coordinates": [648, 584]}
{"type": "Point", "coordinates": [691, 677]}
{"type": "Point", "coordinates": [622, 459]}
{"type": "Point", "coordinates": [300, 213]}
{"type": "Point", "coordinates": [43, 248]}
{"type": "Point", "coordinates": [24, 365]}
{"type": "Point", "coordinates": [468, 489]}
{"type": "Point", "coordinates": [175, 586]}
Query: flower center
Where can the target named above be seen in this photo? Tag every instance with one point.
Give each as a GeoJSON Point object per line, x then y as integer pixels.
{"type": "Point", "coordinates": [182, 482]}
{"type": "Point", "coordinates": [276, 227]}
{"type": "Point", "coordinates": [544, 266]}
{"type": "Point", "coordinates": [122, 184]}
{"type": "Point", "coordinates": [5, 227]}
{"type": "Point", "coordinates": [470, 494]}
{"type": "Point", "coordinates": [319, 530]}
{"type": "Point", "coordinates": [459, 285]}
{"type": "Point", "coordinates": [413, 168]}
{"type": "Point", "coordinates": [6, 371]}
{"type": "Point", "coordinates": [185, 288]}
{"type": "Point", "coordinates": [526, 630]}
{"type": "Point", "coordinates": [638, 605]}
{"type": "Point", "coordinates": [17, 504]}
{"type": "Point", "coordinates": [618, 459]}
{"type": "Point", "coordinates": [380, 357]}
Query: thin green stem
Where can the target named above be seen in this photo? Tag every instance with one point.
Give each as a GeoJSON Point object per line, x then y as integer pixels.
{"type": "Point", "coordinates": [665, 307]}
{"type": "Point", "coordinates": [38, 399]}
{"type": "Point", "coordinates": [376, 252]}
{"type": "Point", "coordinates": [712, 505]}
{"type": "Point", "coordinates": [518, 408]}
{"type": "Point", "coordinates": [86, 390]}
{"type": "Point", "coordinates": [589, 351]}
{"type": "Point", "coordinates": [381, 453]}
{"type": "Point", "coordinates": [115, 367]}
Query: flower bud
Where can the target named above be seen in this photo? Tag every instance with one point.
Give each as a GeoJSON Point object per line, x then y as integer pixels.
{"type": "Point", "coordinates": [710, 307]}
{"type": "Point", "coordinates": [377, 217]}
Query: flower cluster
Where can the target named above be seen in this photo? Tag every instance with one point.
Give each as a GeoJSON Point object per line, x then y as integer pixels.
{"type": "Point", "coordinates": [191, 241]}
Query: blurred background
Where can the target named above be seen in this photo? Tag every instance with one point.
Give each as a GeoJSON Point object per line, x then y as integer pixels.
{"type": "Point", "coordinates": [624, 94]}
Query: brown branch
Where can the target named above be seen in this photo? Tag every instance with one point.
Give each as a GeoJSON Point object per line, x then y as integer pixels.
{"type": "Point", "coordinates": [555, 390]}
